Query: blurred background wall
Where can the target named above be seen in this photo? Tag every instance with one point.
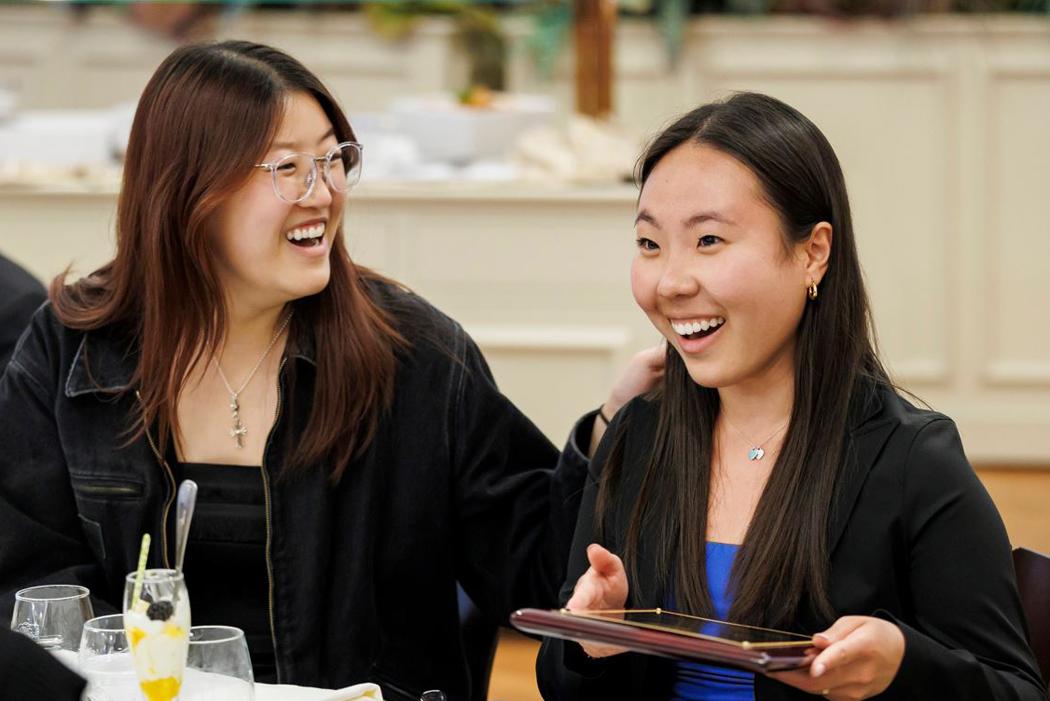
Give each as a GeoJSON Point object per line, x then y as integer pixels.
{"type": "Point", "coordinates": [513, 214]}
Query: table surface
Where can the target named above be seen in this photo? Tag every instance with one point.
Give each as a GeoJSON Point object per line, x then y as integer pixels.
{"type": "Point", "coordinates": [263, 692]}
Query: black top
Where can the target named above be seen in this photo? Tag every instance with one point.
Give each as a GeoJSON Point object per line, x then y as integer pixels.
{"type": "Point", "coordinates": [226, 556]}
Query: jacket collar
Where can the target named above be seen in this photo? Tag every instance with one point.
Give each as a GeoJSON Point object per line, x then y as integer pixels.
{"type": "Point", "coordinates": [105, 361]}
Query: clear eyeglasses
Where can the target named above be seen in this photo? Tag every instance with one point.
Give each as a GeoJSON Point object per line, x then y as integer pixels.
{"type": "Point", "coordinates": [295, 175]}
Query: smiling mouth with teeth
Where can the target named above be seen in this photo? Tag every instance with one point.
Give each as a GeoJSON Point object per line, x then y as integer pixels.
{"type": "Point", "coordinates": [697, 329]}
{"type": "Point", "coordinates": [307, 236]}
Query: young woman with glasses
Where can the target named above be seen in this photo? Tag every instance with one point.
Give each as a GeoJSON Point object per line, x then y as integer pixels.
{"type": "Point", "coordinates": [775, 477]}
{"type": "Point", "coordinates": [354, 457]}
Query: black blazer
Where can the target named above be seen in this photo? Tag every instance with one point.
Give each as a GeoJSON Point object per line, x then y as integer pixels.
{"type": "Point", "coordinates": [913, 537]}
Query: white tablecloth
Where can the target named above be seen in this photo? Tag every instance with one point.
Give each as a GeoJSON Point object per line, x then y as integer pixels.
{"type": "Point", "coordinates": [196, 687]}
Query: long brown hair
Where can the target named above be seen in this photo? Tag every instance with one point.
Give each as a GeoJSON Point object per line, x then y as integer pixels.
{"type": "Point", "coordinates": [781, 569]}
{"type": "Point", "coordinates": [208, 114]}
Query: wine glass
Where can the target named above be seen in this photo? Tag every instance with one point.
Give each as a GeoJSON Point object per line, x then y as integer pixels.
{"type": "Point", "coordinates": [105, 660]}
{"type": "Point", "coordinates": [157, 621]}
{"type": "Point", "coordinates": [219, 667]}
{"type": "Point", "coordinates": [53, 615]}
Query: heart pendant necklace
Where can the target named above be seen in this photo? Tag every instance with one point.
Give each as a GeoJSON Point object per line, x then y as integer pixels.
{"type": "Point", "coordinates": [756, 452]}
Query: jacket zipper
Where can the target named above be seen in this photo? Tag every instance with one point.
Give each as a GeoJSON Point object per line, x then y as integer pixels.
{"type": "Point", "coordinates": [171, 490]}
{"type": "Point", "coordinates": [269, 525]}
{"type": "Point", "coordinates": [266, 495]}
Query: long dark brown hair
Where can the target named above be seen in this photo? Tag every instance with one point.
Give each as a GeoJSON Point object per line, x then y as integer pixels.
{"type": "Point", "coordinates": [208, 114]}
{"type": "Point", "coordinates": [781, 570]}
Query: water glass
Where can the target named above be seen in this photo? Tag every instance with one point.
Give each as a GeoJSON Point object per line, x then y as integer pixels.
{"type": "Point", "coordinates": [105, 660]}
{"type": "Point", "coordinates": [218, 667]}
{"type": "Point", "coordinates": [53, 615]}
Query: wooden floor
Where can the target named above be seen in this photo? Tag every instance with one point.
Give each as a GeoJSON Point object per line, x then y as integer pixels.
{"type": "Point", "coordinates": [1021, 494]}
{"type": "Point", "coordinates": [514, 671]}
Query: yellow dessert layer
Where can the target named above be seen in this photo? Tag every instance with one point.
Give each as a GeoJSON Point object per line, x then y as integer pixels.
{"type": "Point", "coordinates": [164, 689]}
{"type": "Point", "coordinates": [173, 631]}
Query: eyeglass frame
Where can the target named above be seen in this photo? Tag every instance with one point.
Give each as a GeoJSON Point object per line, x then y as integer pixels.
{"type": "Point", "coordinates": [325, 172]}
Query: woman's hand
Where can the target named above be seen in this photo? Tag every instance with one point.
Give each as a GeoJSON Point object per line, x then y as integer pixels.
{"type": "Point", "coordinates": [857, 658]}
{"type": "Point", "coordinates": [641, 374]}
{"type": "Point", "coordinates": [602, 586]}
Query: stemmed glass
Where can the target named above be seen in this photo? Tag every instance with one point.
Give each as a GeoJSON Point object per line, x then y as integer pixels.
{"type": "Point", "coordinates": [219, 667]}
{"type": "Point", "coordinates": [53, 615]}
{"type": "Point", "coordinates": [157, 621]}
{"type": "Point", "coordinates": [105, 659]}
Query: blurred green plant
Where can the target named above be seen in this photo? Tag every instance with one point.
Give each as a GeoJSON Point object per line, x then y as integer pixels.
{"type": "Point", "coordinates": [478, 32]}
{"type": "Point", "coordinates": [553, 21]}
{"type": "Point", "coordinates": [553, 18]}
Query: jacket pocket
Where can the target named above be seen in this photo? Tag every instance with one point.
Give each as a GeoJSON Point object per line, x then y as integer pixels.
{"type": "Point", "coordinates": [106, 489]}
{"type": "Point", "coordinates": [93, 535]}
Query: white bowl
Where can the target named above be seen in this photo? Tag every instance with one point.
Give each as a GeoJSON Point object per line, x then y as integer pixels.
{"type": "Point", "coordinates": [448, 132]}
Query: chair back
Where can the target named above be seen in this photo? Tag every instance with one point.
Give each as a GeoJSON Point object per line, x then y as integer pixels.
{"type": "Point", "coordinates": [1033, 582]}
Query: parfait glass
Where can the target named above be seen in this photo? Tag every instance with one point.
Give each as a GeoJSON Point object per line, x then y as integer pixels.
{"type": "Point", "coordinates": [157, 621]}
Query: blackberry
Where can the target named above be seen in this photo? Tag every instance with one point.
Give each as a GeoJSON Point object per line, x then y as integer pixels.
{"type": "Point", "coordinates": [160, 610]}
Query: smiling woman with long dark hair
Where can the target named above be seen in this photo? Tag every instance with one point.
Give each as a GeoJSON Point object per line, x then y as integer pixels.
{"type": "Point", "coordinates": [775, 477]}
{"type": "Point", "coordinates": [354, 457]}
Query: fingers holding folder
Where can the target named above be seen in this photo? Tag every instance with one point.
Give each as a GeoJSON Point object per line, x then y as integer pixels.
{"type": "Point", "coordinates": [602, 586]}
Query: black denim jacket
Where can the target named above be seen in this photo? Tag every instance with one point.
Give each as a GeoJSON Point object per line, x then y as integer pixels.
{"type": "Point", "coordinates": [458, 485]}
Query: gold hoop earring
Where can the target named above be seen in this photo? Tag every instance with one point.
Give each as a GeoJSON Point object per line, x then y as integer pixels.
{"type": "Point", "coordinates": [812, 290]}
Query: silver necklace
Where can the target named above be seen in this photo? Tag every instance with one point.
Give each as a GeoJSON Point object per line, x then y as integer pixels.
{"type": "Point", "coordinates": [239, 429]}
{"type": "Point", "coordinates": [756, 451]}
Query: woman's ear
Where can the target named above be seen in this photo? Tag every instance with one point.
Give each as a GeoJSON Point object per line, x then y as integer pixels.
{"type": "Point", "coordinates": [816, 250]}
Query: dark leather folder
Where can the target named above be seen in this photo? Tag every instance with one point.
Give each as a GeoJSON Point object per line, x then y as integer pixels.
{"type": "Point", "coordinates": [675, 635]}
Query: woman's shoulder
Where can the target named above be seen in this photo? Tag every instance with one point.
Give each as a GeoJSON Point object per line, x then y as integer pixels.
{"type": "Point", "coordinates": [53, 353]}
{"type": "Point", "coordinates": [923, 445]}
{"type": "Point", "coordinates": [426, 328]}
{"type": "Point", "coordinates": [635, 425]}
{"type": "Point", "coordinates": [640, 413]}
{"type": "Point", "coordinates": [908, 412]}
{"type": "Point", "coordinates": [46, 346]}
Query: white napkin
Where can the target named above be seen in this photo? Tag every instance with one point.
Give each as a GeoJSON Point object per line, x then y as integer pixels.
{"type": "Point", "coordinates": [287, 692]}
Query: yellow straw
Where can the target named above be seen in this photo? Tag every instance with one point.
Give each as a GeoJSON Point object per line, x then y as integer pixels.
{"type": "Point", "coordinates": [143, 552]}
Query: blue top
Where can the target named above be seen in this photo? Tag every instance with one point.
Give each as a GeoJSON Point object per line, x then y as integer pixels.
{"type": "Point", "coordinates": [703, 682]}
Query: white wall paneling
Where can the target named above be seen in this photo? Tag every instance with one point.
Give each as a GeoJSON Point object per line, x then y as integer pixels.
{"type": "Point", "coordinates": [942, 125]}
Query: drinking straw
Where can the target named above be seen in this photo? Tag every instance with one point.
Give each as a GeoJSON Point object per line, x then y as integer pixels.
{"type": "Point", "coordinates": [143, 552]}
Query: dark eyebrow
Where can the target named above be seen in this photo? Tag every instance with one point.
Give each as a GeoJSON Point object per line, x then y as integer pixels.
{"type": "Point", "coordinates": [704, 217]}
{"type": "Point", "coordinates": [646, 217]}
{"type": "Point", "coordinates": [701, 218]}
{"type": "Point", "coordinates": [287, 145]}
